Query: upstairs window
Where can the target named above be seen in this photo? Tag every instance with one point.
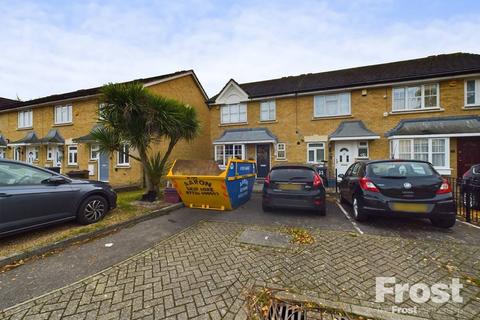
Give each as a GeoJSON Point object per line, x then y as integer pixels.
{"type": "Point", "coordinates": [472, 92]}
{"type": "Point", "coordinates": [63, 114]}
{"type": "Point", "coordinates": [25, 119]}
{"type": "Point", "coordinates": [415, 97]}
{"type": "Point", "coordinates": [332, 105]}
{"type": "Point", "coordinates": [233, 113]}
{"type": "Point", "coordinates": [267, 110]}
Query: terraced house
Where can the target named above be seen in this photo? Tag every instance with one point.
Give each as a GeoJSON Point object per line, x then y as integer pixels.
{"type": "Point", "coordinates": [54, 131]}
{"type": "Point", "coordinates": [425, 109]}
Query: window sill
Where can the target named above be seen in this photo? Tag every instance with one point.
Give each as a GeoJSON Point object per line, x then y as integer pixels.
{"type": "Point", "coordinates": [281, 160]}
{"type": "Point", "coordinates": [62, 124]}
{"type": "Point", "coordinates": [332, 117]}
{"type": "Point", "coordinates": [267, 121]}
{"type": "Point", "coordinates": [119, 166]}
{"type": "Point", "coordinates": [417, 111]}
{"type": "Point", "coordinates": [24, 128]}
{"type": "Point", "coordinates": [93, 160]}
{"type": "Point", "coordinates": [471, 107]}
{"type": "Point", "coordinates": [232, 124]}
{"type": "Point", "coordinates": [72, 165]}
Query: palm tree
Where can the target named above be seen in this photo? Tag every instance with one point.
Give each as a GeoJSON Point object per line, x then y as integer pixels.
{"type": "Point", "coordinates": [131, 115]}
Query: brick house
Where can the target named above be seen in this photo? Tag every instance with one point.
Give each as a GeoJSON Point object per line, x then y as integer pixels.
{"type": "Point", "coordinates": [53, 131]}
{"type": "Point", "coordinates": [424, 109]}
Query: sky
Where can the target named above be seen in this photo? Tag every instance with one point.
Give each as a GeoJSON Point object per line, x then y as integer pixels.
{"type": "Point", "coordinates": [50, 47]}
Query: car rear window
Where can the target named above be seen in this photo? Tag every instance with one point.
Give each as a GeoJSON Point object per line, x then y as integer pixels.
{"type": "Point", "coordinates": [396, 169]}
{"type": "Point", "coordinates": [292, 174]}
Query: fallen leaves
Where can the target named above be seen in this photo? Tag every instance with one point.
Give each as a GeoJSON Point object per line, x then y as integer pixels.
{"type": "Point", "coordinates": [300, 236]}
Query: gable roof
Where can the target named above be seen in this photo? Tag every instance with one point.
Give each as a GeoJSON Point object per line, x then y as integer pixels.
{"type": "Point", "coordinates": [97, 91]}
{"type": "Point", "coordinates": [416, 69]}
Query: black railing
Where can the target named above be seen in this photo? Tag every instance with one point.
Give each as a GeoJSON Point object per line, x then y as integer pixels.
{"type": "Point", "coordinates": [467, 198]}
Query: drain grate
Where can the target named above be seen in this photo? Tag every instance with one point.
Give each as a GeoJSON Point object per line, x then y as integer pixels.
{"type": "Point", "coordinates": [284, 311]}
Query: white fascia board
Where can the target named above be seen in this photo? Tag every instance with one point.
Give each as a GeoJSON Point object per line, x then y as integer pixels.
{"type": "Point", "coordinates": [244, 142]}
{"type": "Point", "coordinates": [443, 135]}
{"type": "Point", "coordinates": [355, 138]}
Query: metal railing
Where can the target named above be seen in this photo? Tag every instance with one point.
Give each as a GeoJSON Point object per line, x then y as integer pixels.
{"type": "Point", "coordinates": [467, 197]}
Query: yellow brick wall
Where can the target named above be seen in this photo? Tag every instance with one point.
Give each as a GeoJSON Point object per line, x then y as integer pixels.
{"type": "Point", "coordinates": [294, 120]}
{"type": "Point", "coordinates": [85, 115]}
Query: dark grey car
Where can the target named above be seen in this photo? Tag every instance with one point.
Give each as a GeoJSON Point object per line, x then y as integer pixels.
{"type": "Point", "coordinates": [32, 197]}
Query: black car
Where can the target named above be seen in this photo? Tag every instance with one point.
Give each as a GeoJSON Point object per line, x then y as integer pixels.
{"type": "Point", "coordinates": [296, 186]}
{"type": "Point", "coordinates": [398, 188]}
{"type": "Point", "coordinates": [471, 187]}
{"type": "Point", "coordinates": [32, 197]}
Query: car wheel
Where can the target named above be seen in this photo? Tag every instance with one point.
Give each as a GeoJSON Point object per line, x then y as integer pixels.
{"type": "Point", "coordinates": [266, 208]}
{"type": "Point", "coordinates": [444, 222]}
{"type": "Point", "coordinates": [92, 210]}
{"type": "Point", "coordinates": [358, 213]}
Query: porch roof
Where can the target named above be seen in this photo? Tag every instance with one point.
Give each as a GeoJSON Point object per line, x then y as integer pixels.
{"type": "Point", "coordinates": [3, 141]}
{"type": "Point", "coordinates": [88, 138]}
{"type": "Point", "coordinates": [53, 137]}
{"type": "Point", "coordinates": [445, 126]}
{"type": "Point", "coordinates": [246, 136]}
{"type": "Point", "coordinates": [353, 130]}
{"type": "Point", "coordinates": [30, 138]}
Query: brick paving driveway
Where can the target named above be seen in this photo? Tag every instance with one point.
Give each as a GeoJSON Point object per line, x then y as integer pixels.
{"type": "Point", "coordinates": [204, 272]}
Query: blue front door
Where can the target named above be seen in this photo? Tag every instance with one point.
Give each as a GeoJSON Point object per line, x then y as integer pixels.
{"type": "Point", "coordinates": [103, 166]}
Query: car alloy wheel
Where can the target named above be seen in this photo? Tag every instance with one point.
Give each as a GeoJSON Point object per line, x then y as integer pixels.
{"type": "Point", "coordinates": [94, 210]}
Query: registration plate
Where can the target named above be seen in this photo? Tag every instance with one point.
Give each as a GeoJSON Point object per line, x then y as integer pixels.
{"type": "Point", "coordinates": [290, 186]}
{"type": "Point", "coordinates": [410, 207]}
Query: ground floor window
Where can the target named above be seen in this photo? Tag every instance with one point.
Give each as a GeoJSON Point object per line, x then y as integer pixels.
{"type": "Point", "coordinates": [281, 151]}
{"type": "Point", "coordinates": [224, 152]}
{"type": "Point", "coordinates": [433, 150]}
{"type": "Point", "coordinates": [50, 152]}
{"type": "Point", "coordinates": [2, 153]}
{"type": "Point", "coordinates": [72, 155]}
{"type": "Point", "coordinates": [17, 153]}
{"type": "Point", "coordinates": [123, 156]}
{"type": "Point", "coordinates": [316, 152]}
{"type": "Point", "coordinates": [94, 151]}
{"type": "Point", "coordinates": [363, 150]}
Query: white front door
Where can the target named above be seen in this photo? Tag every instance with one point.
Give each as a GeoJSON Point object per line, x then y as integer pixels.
{"type": "Point", "coordinates": [344, 156]}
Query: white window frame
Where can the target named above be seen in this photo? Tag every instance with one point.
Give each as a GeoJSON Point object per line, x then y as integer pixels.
{"type": "Point", "coordinates": [63, 114]}
{"type": "Point", "coordinates": [322, 99]}
{"type": "Point", "coordinates": [17, 153]}
{"type": "Point", "coordinates": [269, 107]}
{"type": "Point", "coordinates": [242, 109]}
{"type": "Point", "coordinates": [123, 158]}
{"type": "Point", "coordinates": [50, 152]}
{"type": "Point", "coordinates": [72, 150]}
{"type": "Point", "coordinates": [94, 148]}
{"type": "Point", "coordinates": [25, 121]}
{"type": "Point", "coordinates": [281, 147]}
{"type": "Point", "coordinates": [35, 150]}
{"type": "Point", "coordinates": [2, 152]}
{"type": "Point", "coordinates": [395, 151]}
{"type": "Point", "coordinates": [311, 147]}
{"type": "Point", "coordinates": [477, 93]}
{"type": "Point", "coordinates": [359, 147]}
{"type": "Point", "coordinates": [406, 108]}
{"type": "Point", "coordinates": [222, 162]}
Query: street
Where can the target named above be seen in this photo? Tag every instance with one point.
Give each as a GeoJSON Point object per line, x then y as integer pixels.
{"type": "Point", "coordinates": [400, 247]}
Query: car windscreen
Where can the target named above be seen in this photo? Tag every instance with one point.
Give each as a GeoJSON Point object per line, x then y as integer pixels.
{"type": "Point", "coordinates": [399, 169]}
{"type": "Point", "coordinates": [292, 174]}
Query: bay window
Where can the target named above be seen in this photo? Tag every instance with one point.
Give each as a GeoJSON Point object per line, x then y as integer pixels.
{"type": "Point", "coordinates": [433, 150]}
{"type": "Point", "coordinates": [267, 110]}
{"type": "Point", "coordinates": [223, 153]}
{"type": "Point", "coordinates": [316, 152]}
{"type": "Point", "coordinates": [332, 105]}
{"type": "Point", "coordinates": [415, 97]}
{"type": "Point", "coordinates": [233, 113]}
{"type": "Point", "coordinates": [472, 92]}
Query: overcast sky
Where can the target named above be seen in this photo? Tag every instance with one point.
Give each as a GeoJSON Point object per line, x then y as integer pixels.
{"type": "Point", "coordinates": [49, 47]}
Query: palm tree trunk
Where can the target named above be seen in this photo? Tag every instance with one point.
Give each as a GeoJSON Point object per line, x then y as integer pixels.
{"type": "Point", "coordinates": [151, 194]}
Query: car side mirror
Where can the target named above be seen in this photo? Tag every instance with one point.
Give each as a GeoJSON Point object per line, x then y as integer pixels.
{"type": "Point", "coordinates": [55, 180]}
{"type": "Point", "coordinates": [341, 175]}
